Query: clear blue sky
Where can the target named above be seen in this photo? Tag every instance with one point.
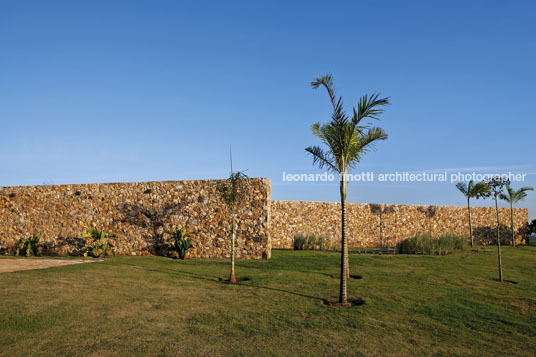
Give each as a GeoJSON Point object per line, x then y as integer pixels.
{"type": "Point", "coordinates": [107, 91]}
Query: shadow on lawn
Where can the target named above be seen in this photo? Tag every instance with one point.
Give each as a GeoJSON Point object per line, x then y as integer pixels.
{"type": "Point", "coordinates": [216, 279]}
{"type": "Point", "coordinates": [280, 269]}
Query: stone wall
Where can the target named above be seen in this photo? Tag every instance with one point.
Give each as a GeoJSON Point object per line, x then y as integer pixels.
{"type": "Point", "coordinates": [396, 221]}
{"type": "Point", "coordinates": [138, 213]}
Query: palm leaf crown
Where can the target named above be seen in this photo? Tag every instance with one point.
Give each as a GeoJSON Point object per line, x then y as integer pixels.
{"type": "Point", "coordinates": [233, 189]}
{"type": "Point", "coordinates": [514, 196]}
{"type": "Point", "coordinates": [346, 137]}
{"type": "Point", "coordinates": [473, 190]}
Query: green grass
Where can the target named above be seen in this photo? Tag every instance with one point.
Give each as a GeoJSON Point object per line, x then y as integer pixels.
{"type": "Point", "coordinates": [414, 305]}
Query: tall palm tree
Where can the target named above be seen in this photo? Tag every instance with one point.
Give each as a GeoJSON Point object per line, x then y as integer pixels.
{"type": "Point", "coordinates": [496, 187]}
{"type": "Point", "coordinates": [476, 191]}
{"type": "Point", "coordinates": [346, 139]}
{"type": "Point", "coordinates": [232, 192]}
{"type": "Point", "coordinates": [512, 198]}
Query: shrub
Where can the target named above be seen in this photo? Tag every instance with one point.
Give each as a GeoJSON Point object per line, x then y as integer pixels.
{"type": "Point", "coordinates": [178, 245]}
{"type": "Point", "coordinates": [426, 244]}
{"type": "Point", "coordinates": [321, 241]}
{"type": "Point", "coordinates": [531, 227]}
{"type": "Point", "coordinates": [100, 246]}
{"type": "Point", "coordinates": [29, 246]}
{"type": "Point", "coordinates": [311, 241]}
{"type": "Point", "coordinates": [299, 241]}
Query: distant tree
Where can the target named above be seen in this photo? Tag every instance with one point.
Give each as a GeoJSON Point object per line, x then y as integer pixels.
{"type": "Point", "coordinates": [531, 227]}
{"type": "Point", "coordinates": [379, 211]}
{"type": "Point", "coordinates": [346, 139]}
{"type": "Point", "coordinates": [232, 191]}
{"type": "Point", "coordinates": [429, 212]}
{"type": "Point", "coordinates": [496, 187]}
{"type": "Point", "coordinates": [476, 191]}
{"type": "Point", "coordinates": [512, 197]}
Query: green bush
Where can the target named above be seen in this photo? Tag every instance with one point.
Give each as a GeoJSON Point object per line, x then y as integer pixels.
{"type": "Point", "coordinates": [178, 245]}
{"type": "Point", "coordinates": [100, 246]}
{"type": "Point", "coordinates": [29, 246]}
{"type": "Point", "coordinates": [426, 244]}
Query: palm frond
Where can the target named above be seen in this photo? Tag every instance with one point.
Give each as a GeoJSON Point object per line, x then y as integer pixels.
{"type": "Point", "coordinates": [520, 194]}
{"type": "Point", "coordinates": [462, 187]}
{"type": "Point", "coordinates": [369, 107]}
{"type": "Point", "coordinates": [321, 158]}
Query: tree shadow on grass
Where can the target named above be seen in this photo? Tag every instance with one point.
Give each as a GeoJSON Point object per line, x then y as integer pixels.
{"type": "Point", "coordinates": [198, 276]}
{"type": "Point", "coordinates": [282, 269]}
{"type": "Point", "coordinates": [215, 279]}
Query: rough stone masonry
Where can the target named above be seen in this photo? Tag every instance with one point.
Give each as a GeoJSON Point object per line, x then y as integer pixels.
{"type": "Point", "coordinates": [140, 212]}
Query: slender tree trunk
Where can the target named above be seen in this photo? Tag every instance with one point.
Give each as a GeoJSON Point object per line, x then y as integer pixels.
{"type": "Point", "coordinates": [343, 296]}
{"type": "Point", "coordinates": [381, 234]}
{"type": "Point", "coordinates": [232, 277]}
{"type": "Point", "coordinates": [498, 241]}
{"type": "Point", "coordinates": [470, 226]}
{"type": "Point", "coordinates": [512, 224]}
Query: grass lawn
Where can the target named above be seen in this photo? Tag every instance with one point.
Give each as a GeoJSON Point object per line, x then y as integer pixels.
{"type": "Point", "coordinates": [413, 305]}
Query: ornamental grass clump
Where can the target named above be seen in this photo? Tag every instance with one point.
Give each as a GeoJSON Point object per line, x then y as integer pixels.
{"type": "Point", "coordinates": [299, 241]}
{"type": "Point", "coordinates": [426, 244]}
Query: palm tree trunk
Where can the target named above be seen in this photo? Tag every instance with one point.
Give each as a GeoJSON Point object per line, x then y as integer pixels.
{"type": "Point", "coordinates": [343, 296]}
{"type": "Point", "coordinates": [498, 241]}
{"type": "Point", "coordinates": [470, 226]}
{"type": "Point", "coordinates": [512, 218]}
{"type": "Point", "coordinates": [232, 277]}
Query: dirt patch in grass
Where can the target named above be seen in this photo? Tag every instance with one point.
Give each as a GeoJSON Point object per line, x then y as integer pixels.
{"type": "Point", "coordinates": [11, 265]}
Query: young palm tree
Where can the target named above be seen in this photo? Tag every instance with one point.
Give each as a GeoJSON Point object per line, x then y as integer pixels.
{"type": "Point", "coordinates": [512, 198]}
{"type": "Point", "coordinates": [472, 190]}
{"type": "Point", "coordinates": [346, 139]}
{"type": "Point", "coordinates": [496, 186]}
{"type": "Point", "coordinates": [232, 193]}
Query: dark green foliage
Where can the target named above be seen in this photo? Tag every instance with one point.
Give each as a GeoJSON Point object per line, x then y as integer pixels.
{"type": "Point", "coordinates": [233, 190]}
{"type": "Point", "coordinates": [504, 233]}
{"type": "Point", "coordinates": [299, 241]}
{"type": "Point", "coordinates": [29, 246]}
{"type": "Point", "coordinates": [531, 232]}
{"type": "Point", "coordinates": [177, 245]}
{"type": "Point", "coordinates": [531, 227]}
{"type": "Point", "coordinates": [426, 244]}
{"type": "Point", "coordinates": [100, 247]}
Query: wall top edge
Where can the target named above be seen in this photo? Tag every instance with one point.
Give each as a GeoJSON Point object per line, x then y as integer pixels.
{"type": "Point", "coordinates": [393, 204]}
{"type": "Point", "coordinates": [263, 179]}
